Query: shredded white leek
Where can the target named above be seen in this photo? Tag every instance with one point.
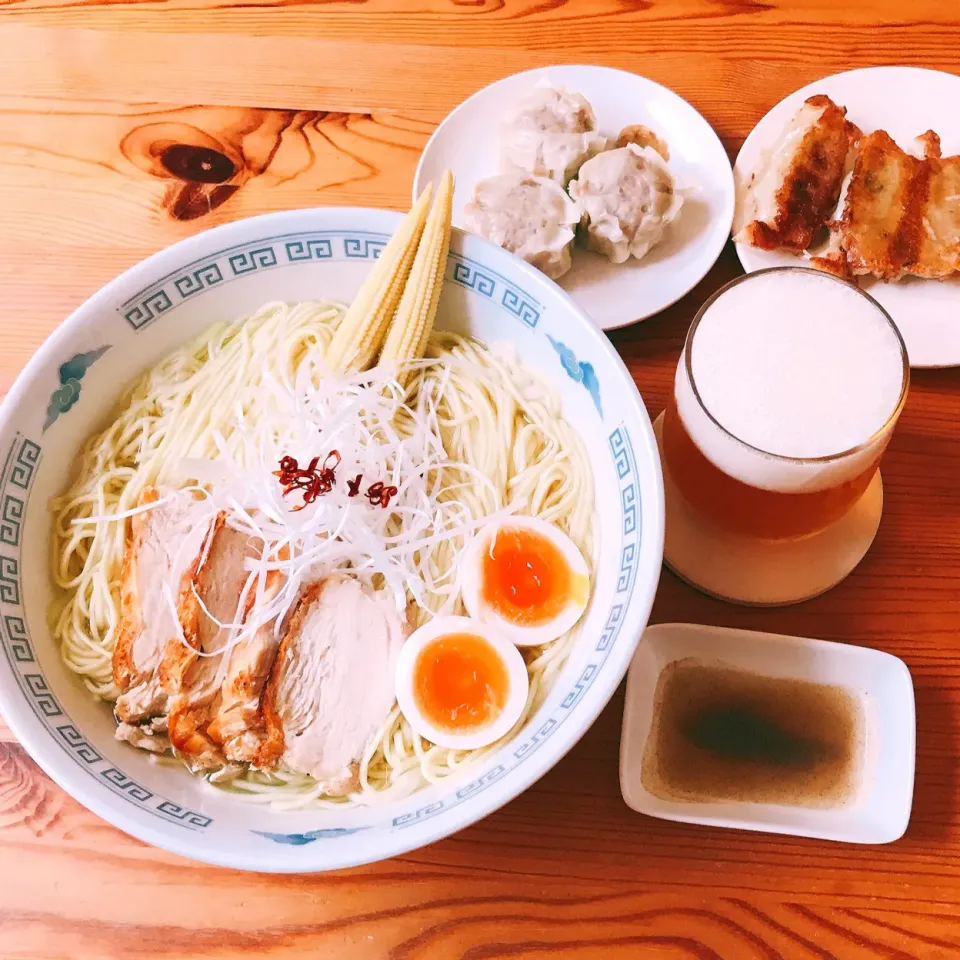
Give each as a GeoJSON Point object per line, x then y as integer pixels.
{"type": "Point", "coordinates": [473, 433]}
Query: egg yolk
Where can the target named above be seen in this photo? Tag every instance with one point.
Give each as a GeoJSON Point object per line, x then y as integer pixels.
{"type": "Point", "coordinates": [460, 682]}
{"type": "Point", "coordinates": [525, 578]}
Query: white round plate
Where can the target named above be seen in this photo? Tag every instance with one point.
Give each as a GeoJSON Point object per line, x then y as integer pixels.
{"type": "Point", "coordinates": [904, 101]}
{"type": "Point", "coordinates": [614, 295]}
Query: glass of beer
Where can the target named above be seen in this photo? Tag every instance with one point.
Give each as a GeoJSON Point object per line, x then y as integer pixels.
{"type": "Point", "coordinates": [786, 395]}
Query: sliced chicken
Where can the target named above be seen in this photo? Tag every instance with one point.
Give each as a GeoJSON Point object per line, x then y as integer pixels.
{"type": "Point", "coordinates": [150, 736]}
{"type": "Point", "coordinates": [901, 214]}
{"type": "Point", "coordinates": [331, 688]}
{"type": "Point", "coordinates": [163, 542]}
{"type": "Point", "coordinates": [237, 725]}
{"type": "Point", "coordinates": [209, 601]}
{"type": "Point", "coordinates": [795, 190]}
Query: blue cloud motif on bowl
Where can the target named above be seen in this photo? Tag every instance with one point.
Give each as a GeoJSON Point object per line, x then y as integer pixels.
{"type": "Point", "coordinates": [581, 371]}
{"type": "Point", "coordinates": [300, 839]}
{"type": "Point", "coordinates": [71, 372]}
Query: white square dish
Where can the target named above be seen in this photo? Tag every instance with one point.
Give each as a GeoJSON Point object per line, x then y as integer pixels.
{"type": "Point", "coordinates": [879, 808]}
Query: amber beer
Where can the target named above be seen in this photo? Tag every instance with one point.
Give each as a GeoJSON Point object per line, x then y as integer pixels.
{"type": "Point", "coordinates": [786, 395]}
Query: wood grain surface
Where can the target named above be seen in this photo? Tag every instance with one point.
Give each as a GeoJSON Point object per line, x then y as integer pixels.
{"type": "Point", "coordinates": [320, 102]}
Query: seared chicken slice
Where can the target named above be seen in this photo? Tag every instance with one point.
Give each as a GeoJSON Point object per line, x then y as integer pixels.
{"type": "Point", "coordinates": [238, 724]}
{"type": "Point", "coordinates": [902, 214]}
{"type": "Point", "coordinates": [209, 600]}
{"type": "Point", "coordinates": [332, 686]}
{"type": "Point", "coordinates": [150, 736]}
{"type": "Point", "coordinates": [793, 193]}
{"type": "Point", "coordinates": [163, 542]}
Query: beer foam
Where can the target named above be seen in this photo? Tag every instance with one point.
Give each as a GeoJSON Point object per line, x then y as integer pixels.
{"type": "Point", "coordinates": [795, 364]}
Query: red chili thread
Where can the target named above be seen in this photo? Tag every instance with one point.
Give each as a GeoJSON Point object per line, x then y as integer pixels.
{"type": "Point", "coordinates": [310, 481]}
{"type": "Point", "coordinates": [379, 495]}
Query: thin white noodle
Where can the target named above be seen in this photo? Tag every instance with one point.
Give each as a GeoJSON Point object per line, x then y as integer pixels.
{"type": "Point", "coordinates": [505, 449]}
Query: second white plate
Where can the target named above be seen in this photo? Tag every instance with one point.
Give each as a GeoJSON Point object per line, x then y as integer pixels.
{"type": "Point", "coordinates": [904, 101]}
{"type": "Point", "coordinates": [614, 295]}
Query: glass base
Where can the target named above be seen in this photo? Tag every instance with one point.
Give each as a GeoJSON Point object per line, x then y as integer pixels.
{"type": "Point", "coordinates": [765, 572]}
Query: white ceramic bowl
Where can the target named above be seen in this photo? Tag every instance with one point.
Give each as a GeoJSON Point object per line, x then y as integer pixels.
{"type": "Point", "coordinates": [74, 381]}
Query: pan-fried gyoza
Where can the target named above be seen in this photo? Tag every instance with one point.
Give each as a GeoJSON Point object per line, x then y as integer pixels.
{"type": "Point", "coordinates": [901, 213]}
{"type": "Point", "coordinates": [899, 210]}
{"type": "Point", "coordinates": [794, 191]}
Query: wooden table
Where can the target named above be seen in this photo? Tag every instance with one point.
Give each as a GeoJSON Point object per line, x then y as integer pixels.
{"type": "Point", "coordinates": [330, 102]}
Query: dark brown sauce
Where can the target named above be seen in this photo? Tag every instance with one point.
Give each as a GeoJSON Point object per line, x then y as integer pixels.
{"type": "Point", "coordinates": [725, 734]}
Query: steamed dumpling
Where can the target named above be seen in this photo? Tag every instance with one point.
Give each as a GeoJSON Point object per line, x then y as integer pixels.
{"type": "Point", "coordinates": [550, 133]}
{"type": "Point", "coordinates": [530, 216]}
{"type": "Point", "coordinates": [643, 137]}
{"type": "Point", "coordinates": [627, 198]}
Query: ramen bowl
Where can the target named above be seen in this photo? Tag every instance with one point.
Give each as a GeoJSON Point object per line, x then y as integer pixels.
{"type": "Point", "coordinates": [74, 382]}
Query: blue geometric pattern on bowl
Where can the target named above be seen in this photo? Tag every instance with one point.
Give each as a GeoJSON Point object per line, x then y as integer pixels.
{"type": "Point", "coordinates": [299, 839]}
{"type": "Point", "coordinates": [581, 371]}
{"type": "Point", "coordinates": [481, 279]}
{"type": "Point", "coordinates": [16, 479]}
{"type": "Point", "coordinates": [71, 373]}
{"type": "Point", "coordinates": [242, 260]}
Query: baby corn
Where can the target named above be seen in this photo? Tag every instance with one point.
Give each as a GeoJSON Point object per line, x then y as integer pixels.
{"type": "Point", "coordinates": [360, 335]}
{"type": "Point", "coordinates": [413, 322]}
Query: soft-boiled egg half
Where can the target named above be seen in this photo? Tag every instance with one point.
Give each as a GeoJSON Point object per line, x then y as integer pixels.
{"type": "Point", "coordinates": [460, 683]}
{"type": "Point", "coordinates": [526, 577]}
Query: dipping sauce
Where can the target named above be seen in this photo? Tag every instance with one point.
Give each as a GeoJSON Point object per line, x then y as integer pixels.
{"type": "Point", "coordinates": [460, 683]}
{"type": "Point", "coordinates": [724, 734]}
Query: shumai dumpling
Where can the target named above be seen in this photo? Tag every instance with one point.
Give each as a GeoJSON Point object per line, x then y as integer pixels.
{"type": "Point", "coordinates": [626, 197]}
{"type": "Point", "coordinates": [643, 137]}
{"type": "Point", "coordinates": [530, 216]}
{"type": "Point", "coordinates": [549, 133]}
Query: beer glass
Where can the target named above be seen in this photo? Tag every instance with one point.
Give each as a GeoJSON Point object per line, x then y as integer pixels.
{"type": "Point", "coordinates": [786, 395]}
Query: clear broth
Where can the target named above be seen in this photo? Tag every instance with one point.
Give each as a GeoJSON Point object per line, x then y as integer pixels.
{"type": "Point", "coordinates": [725, 734]}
